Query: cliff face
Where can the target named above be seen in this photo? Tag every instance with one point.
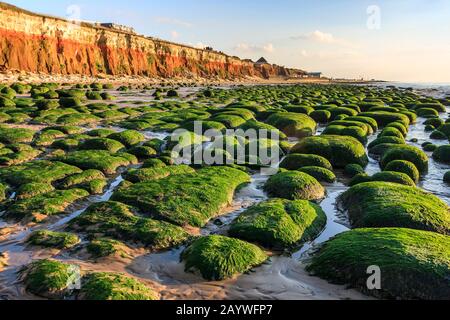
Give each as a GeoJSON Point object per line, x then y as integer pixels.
{"type": "Point", "coordinates": [37, 43]}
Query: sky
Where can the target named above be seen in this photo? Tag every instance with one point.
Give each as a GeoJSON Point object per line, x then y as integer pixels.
{"type": "Point", "coordinates": [397, 40]}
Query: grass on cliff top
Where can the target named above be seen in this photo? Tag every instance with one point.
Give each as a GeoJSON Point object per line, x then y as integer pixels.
{"type": "Point", "coordinates": [218, 257]}
{"type": "Point", "coordinates": [414, 264]}
{"type": "Point", "coordinates": [185, 199]}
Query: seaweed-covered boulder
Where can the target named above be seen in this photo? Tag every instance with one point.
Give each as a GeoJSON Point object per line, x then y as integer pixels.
{"type": "Point", "coordinates": [384, 204]}
{"type": "Point", "coordinates": [39, 207]}
{"type": "Point", "coordinates": [148, 174]}
{"type": "Point", "coordinates": [339, 150]}
{"type": "Point", "coordinates": [279, 223]}
{"type": "Point", "coordinates": [414, 264]}
{"type": "Point", "coordinates": [117, 220]}
{"type": "Point", "coordinates": [37, 171]}
{"type": "Point", "coordinates": [97, 159]}
{"type": "Point", "coordinates": [15, 135]}
{"type": "Point", "coordinates": [110, 145]}
{"type": "Point", "coordinates": [405, 167]}
{"type": "Point", "coordinates": [114, 286]}
{"type": "Point", "coordinates": [391, 176]}
{"type": "Point", "coordinates": [49, 278]}
{"type": "Point", "coordinates": [218, 257]}
{"type": "Point", "coordinates": [296, 161]}
{"type": "Point", "coordinates": [294, 185]}
{"type": "Point", "coordinates": [321, 174]}
{"type": "Point", "coordinates": [128, 138]}
{"type": "Point", "coordinates": [29, 190]}
{"type": "Point", "coordinates": [353, 169]}
{"type": "Point", "coordinates": [384, 118]}
{"type": "Point", "coordinates": [52, 239]}
{"type": "Point", "coordinates": [293, 124]}
{"type": "Point", "coordinates": [442, 154]}
{"type": "Point", "coordinates": [104, 247]}
{"type": "Point", "coordinates": [182, 199]}
{"type": "Point", "coordinates": [386, 139]}
{"type": "Point", "coordinates": [408, 153]}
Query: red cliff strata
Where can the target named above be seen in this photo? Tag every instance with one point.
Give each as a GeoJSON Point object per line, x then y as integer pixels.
{"type": "Point", "coordinates": [37, 43]}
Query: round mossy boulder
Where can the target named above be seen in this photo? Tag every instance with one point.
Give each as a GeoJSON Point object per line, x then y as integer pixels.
{"type": "Point", "coordinates": [384, 204]}
{"type": "Point", "coordinates": [294, 185]}
{"type": "Point", "coordinates": [447, 177]}
{"type": "Point", "coordinates": [293, 124]}
{"type": "Point", "coordinates": [339, 150]}
{"type": "Point", "coordinates": [218, 257]}
{"type": "Point", "coordinates": [49, 278]}
{"type": "Point", "coordinates": [438, 135]}
{"type": "Point", "coordinates": [296, 161]}
{"type": "Point", "coordinates": [321, 174]}
{"type": "Point", "coordinates": [394, 177]}
{"type": "Point", "coordinates": [414, 264]}
{"type": "Point", "coordinates": [405, 167]}
{"type": "Point", "coordinates": [442, 154]}
{"type": "Point", "coordinates": [52, 239]}
{"type": "Point", "coordinates": [353, 169]}
{"type": "Point", "coordinates": [408, 153]}
{"type": "Point", "coordinates": [279, 223]}
{"type": "Point", "coordinates": [113, 286]}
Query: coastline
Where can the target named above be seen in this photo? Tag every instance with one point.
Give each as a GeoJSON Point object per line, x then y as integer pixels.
{"type": "Point", "coordinates": [36, 78]}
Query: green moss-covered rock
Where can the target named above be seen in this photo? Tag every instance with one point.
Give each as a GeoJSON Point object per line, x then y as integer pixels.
{"type": "Point", "coordinates": [293, 124]}
{"type": "Point", "coordinates": [15, 135]}
{"type": "Point", "coordinates": [179, 199]}
{"type": "Point", "coordinates": [405, 167]}
{"type": "Point", "coordinates": [294, 185]}
{"type": "Point", "coordinates": [37, 171]}
{"type": "Point", "coordinates": [148, 174]}
{"type": "Point", "coordinates": [49, 278]}
{"type": "Point", "coordinates": [218, 258]}
{"type": "Point", "coordinates": [414, 264]}
{"type": "Point", "coordinates": [103, 247]}
{"type": "Point", "coordinates": [447, 177]}
{"type": "Point", "coordinates": [116, 220]}
{"type": "Point", "coordinates": [47, 204]}
{"type": "Point", "coordinates": [51, 239]}
{"type": "Point", "coordinates": [110, 145]}
{"type": "Point", "coordinates": [279, 223]}
{"type": "Point", "coordinates": [442, 154]}
{"type": "Point", "coordinates": [321, 174]}
{"type": "Point", "coordinates": [339, 150]}
{"type": "Point", "coordinates": [383, 204]}
{"type": "Point", "coordinates": [408, 153]}
{"type": "Point", "coordinates": [29, 190]}
{"type": "Point", "coordinates": [128, 138]}
{"type": "Point", "coordinates": [394, 177]}
{"type": "Point", "coordinates": [113, 286]}
{"type": "Point", "coordinates": [353, 169]}
{"type": "Point", "coordinates": [296, 161]}
{"type": "Point", "coordinates": [96, 159]}
{"type": "Point", "coordinates": [386, 139]}
{"type": "Point", "coordinates": [383, 118]}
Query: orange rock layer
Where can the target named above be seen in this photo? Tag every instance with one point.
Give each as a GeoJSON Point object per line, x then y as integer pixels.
{"type": "Point", "coordinates": [37, 43]}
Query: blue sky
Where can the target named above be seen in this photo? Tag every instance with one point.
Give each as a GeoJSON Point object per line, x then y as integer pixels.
{"type": "Point", "coordinates": [404, 40]}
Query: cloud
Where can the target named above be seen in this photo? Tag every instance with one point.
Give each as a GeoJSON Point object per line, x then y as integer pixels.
{"type": "Point", "coordinates": [245, 47]}
{"type": "Point", "coordinates": [173, 21]}
{"type": "Point", "coordinates": [321, 37]}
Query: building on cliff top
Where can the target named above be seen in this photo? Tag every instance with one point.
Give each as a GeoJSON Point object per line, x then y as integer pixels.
{"type": "Point", "coordinates": [313, 75]}
{"type": "Point", "coordinates": [262, 60]}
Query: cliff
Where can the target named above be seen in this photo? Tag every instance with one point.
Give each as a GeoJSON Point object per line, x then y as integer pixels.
{"type": "Point", "coordinates": [44, 44]}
